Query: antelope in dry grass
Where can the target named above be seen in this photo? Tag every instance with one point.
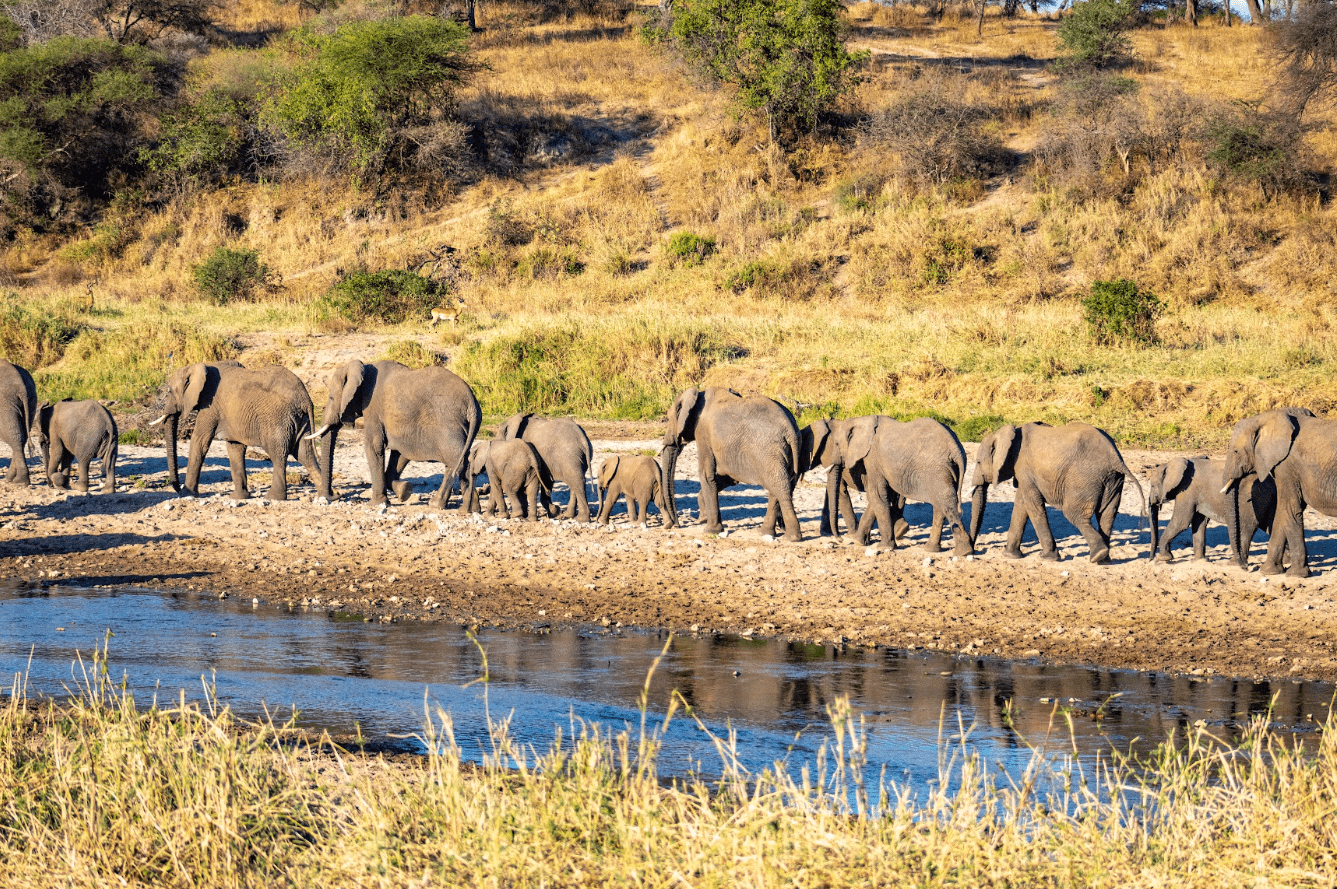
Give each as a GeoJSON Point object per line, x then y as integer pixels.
{"type": "Point", "coordinates": [447, 312]}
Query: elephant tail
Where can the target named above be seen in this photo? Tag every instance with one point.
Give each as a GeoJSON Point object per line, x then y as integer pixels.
{"type": "Point", "coordinates": [475, 421]}
{"type": "Point", "coordinates": [1128, 474]}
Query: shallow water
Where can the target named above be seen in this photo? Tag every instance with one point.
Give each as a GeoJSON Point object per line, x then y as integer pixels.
{"type": "Point", "coordinates": [347, 675]}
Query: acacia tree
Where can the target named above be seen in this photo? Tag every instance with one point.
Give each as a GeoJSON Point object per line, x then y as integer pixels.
{"type": "Point", "coordinates": [1306, 47]}
{"type": "Point", "coordinates": [786, 57]}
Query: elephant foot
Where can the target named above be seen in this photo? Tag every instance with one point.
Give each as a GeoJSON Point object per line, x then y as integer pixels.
{"type": "Point", "coordinates": [438, 501]}
{"type": "Point", "coordinates": [714, 527]}
{"type": "Point", "coordinates": [963, 550]}
{"type": "Point", "coordinates": [1012, 553]}
{"type": "Point", "coordinates": [1298, 571]}
{"type": "Point", "coordinates": [1051, 555]}
{"type": "Point", "coordinates": [277, 494]}
{"type": "Point", "coordinates": [794, 536]}
{"type": "Point", "coordinates": [403, 490]}
{"type": "Point", "coordinates": [1100, 556]}
{"type": "Point", "coordinates": [1269, 568]}
{"type": "Point", "coordinates": [1163, 556]}
{"type": "Point", "coordinates": [243, 494]}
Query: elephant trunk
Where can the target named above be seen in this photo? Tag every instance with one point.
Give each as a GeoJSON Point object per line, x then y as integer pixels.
{"type": "Point", "coordinates": [173, 474]}
{"type": "Point", "coordinates": [666, 482]}
{"type": "Point", "coordinates": [834, 479]}
{"type": "Point", "coordinates": [977, 500]}
{"type": "Point", "coordinates": [1233, 524]}
{"type": "Point", "coordinates": [1154, 509]}
{"type": "Point", "coordinates": [326, 458]}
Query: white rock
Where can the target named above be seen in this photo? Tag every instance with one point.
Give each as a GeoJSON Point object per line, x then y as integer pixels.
{"type": "Point", "coordinates": [871, 552]}
{"type": "Point", "coordinates": [928, 560]}
{"type": "Point", "coordinates": [1063, 574]}
{"type": "Point", "coordinates": [168, 506]}
{"type": "Point", "coordinates": [767, 538]}
{"type": "Point", "coordinates": [970, 558]}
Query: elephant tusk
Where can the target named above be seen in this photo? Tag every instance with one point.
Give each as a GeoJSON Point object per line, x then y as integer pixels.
{"type": "Point", "coordinates": [1227, 488]}
{"type": "Point", "coordinates": [319, 432]}
{"type": "Point", "coordinates": [159, 420]}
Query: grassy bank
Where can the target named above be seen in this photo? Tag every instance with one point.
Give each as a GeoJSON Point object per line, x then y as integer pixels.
{"type": "Point", "coordinates": [100, 791]}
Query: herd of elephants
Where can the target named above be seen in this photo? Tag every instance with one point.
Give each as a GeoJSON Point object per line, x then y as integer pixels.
{"type": "Point", "coordinates": [1278, 462]}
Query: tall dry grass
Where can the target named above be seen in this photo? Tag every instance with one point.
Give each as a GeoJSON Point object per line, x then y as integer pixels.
{"type": "Point", "coordinates": [102, 790]}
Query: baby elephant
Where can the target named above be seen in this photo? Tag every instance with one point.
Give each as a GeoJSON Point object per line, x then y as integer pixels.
{"type": "Point", "coordinates": [1195, 484]}
{"type": "Point", "coordinates": [512, 469]}
{"type": "Point", "coordinates": [76, 431]}
{"type": "Point", "coordinates": [638, 478]}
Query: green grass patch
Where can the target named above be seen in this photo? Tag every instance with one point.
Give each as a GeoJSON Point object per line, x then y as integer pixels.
{"type": "Point", "coordinates": [34, 335]}
{"type": "Point", "coordinates": [412, 353]}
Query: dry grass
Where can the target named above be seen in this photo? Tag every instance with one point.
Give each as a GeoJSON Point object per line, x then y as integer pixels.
{"type": "Point", "coordinates": [102, 792]}
{"type": "Point", "coordinates": [835, 283]}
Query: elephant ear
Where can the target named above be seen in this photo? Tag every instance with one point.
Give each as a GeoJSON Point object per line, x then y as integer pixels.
{"type": "Point", "coordinates": [515, 426]}
{"type": "Point", "coordinates": [354, 372]}
{"type": "Point", "coordinates": [43, 417]}
{"type": "Point", "coordinates": [196, 378]}
{"type": "Point", "coordinates": [686, 411]}
{"type": "Point", "coordinates": [859, 440]}
{"type": "Point", "coordinates": [1273, 442]}
{"type": "Point", "coordinates": [1178, 474]}
{"type": "Point", "coordinates": [608, 469]}
{"type": "Point", "coordinates": [1006, 445]}
{"type": "Point", "coordinates": [817, 444]}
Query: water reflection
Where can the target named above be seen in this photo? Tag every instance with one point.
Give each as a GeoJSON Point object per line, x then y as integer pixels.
{"type": "Point", "coordinates": [775, 695]}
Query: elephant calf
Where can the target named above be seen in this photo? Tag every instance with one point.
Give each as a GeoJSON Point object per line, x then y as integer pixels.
{"type": "Point", "coordinates": [638, 478]}
{"type": "Point", "coordinates": [1196, 487]}
{"type": "Point", "coordinates": [512, 469]}
{"type": "Point", "coordinates": [80, 432]}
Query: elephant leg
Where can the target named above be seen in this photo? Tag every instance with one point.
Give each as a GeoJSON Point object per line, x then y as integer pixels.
{"type": "Point", "coordinates": [961, 545]}
{"type": "Point", "coordinates": [305, 453]}
{"type": "Point", "coordinates": [611, 496]}
{"type": "Point", "coordinates": [205, 427]}
{"type": "Point", "coordinates": [1179, 520]}
{"type": "Point", "coordinates": [395, 465]}
{"type": "Point", "coordinates": [374, 438]}
{"type": "Point", "coordinates": [793, 532]}
{"type": "Point", "coordinates": [532, 492]}
{"type": "Point", "coordinates": [580, 499]}
{"type": "Point", "coordinates": [441, 497]}
{"type": "Point", "coordinates": [18, 462]}
{"type": "Point", "coordinates": [55, 466]}
{"type": "Point", "coordinates": [1087, 522]}
{"type": "Point", "coordinates": [1248, 528]}
{"type": "Point", "coordinates": [1294, 541]}
{"type": "Point", "coordinates": [1015, 531]}
{"type": "Point", "coordinates": [1199, 526]}
{"type": "Point", "coordinates": [900, 527]}
{"type": "Point", "coordinates": [85, 473]}
{"type": "Point", "coordinates": [708, 498]}
{"type": "Point", "coordinates": [882, 505]}
{"type": "Point", "coordinates": [236, 461]}
{"type": "Point", "coordinates": [934, 544]}
{"type": "Point", "coordinates": [863, 532]}
{"type": "Point", "coordinates": [768, 521]}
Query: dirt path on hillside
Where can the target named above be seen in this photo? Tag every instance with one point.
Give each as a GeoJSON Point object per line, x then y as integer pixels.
{"type": "Point", "coordinates": [412, 562]}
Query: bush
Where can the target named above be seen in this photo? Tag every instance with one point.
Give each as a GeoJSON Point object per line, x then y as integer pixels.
{"type": "Point", "coordinates": [230, 275]}
{"type": "Point", "coordinates": [686, 248]}
{"type": "Point", "coordinates": [362, 96]}
{"type": "Point", "coordinates": [1252, 145]}
{"type": "Point", "coordinates": [389, 297]}
{"type": "Point", "coordinates": [1120, 311]}
{"type": "Point", "coordinates": [32, 335]}
{"type": "Point", "coordinates": [1093, 35]}
{"type": "Point", "coordinates": [786, 57]}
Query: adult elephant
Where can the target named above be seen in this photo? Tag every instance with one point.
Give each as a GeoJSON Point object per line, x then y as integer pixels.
{"type": "Point", "coordinates": [18, 407]}
{"type": "Point", "coordinates": [266, 408]}
{"type": "Point", "coordinates": [919, 460]}
{"type": "Point", "coordinates": [564, 452]}
{"type": "Point", "coordinates": [1075, 467]}
{"type": "Point", "coordinates": [1299, 451]}
{"type": "Point", "coordinates": [749, 441]}
{"type": "Point", "coordinates": [427, 415]}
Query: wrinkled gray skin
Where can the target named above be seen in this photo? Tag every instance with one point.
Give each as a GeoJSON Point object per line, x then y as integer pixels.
{"type": "Point", "coordinates": [1299, 451]}
{"type": "Point", "coordinates": [921, 460]}
{"type": "Point", "coordinates": [1195, 486]}
{"type": "Point", "coordinates": [266, 408]}
{"type": "Point", "coordinates": [18, 407]}
{"type": "Point", "coordinates": [516, 477]}
{"type": "Point", "coordinates": [428, 415]}
{"type": "Point", "coordinates": [565, 452]}
{"type": "Point", "coordinates": [638, 478]}
{"type": "Point", "coordinates": [819, 444]}
{"type": "Point", "coordinates": [76, 432]}
{"type": "Point", "coordinates": [1076, 468]}
{"type": "Point", "coordinates": [749, 441]}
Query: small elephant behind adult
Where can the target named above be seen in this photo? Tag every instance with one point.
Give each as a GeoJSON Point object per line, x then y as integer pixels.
{"type": "Point", "coordinates": [79, 432]}
{"type": "Point", "coordinates": [635, 477]}
{"type": "Point", "coordinates": [564, 451]}
{"type": "Point", "coordinates": [513, 470]}
{"type": "Point", "coordinates": [1196, 487]}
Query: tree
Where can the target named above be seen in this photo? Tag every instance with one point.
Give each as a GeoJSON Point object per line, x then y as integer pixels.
{"type": "Point", "coordinates": [786, 57]}
{"type": "Point", "coordinates": [1306, 48]}
{"type": "Point", "coordinates": [357, 95]}
{"type": "Point", "coordinates": [121, 20]}
{"type": "Point", "coordinates": [1094, 33]}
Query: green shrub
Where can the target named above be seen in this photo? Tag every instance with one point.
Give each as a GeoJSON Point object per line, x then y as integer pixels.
{"type": "Point", "coordinates": [230, 275]}
{"type": "Point", "coordinates": [548, 263]}
{"type": "Point", "coordinates": [942, 258]}
{"type": "Point", "coordinates": [976, 427]}
{"type": "Point", "coordinates": [32, 335]}
{"type": "Point", "coordinates": [391, 296]}
{"type": "Point", "coordinates": [1093, 35]}
{"type": "Point", "coordinates": [360, 96]}
{"type": "Point", "coordinates": [1120, 311]}
{"type": "Point", "coordinates": [687, 248]}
